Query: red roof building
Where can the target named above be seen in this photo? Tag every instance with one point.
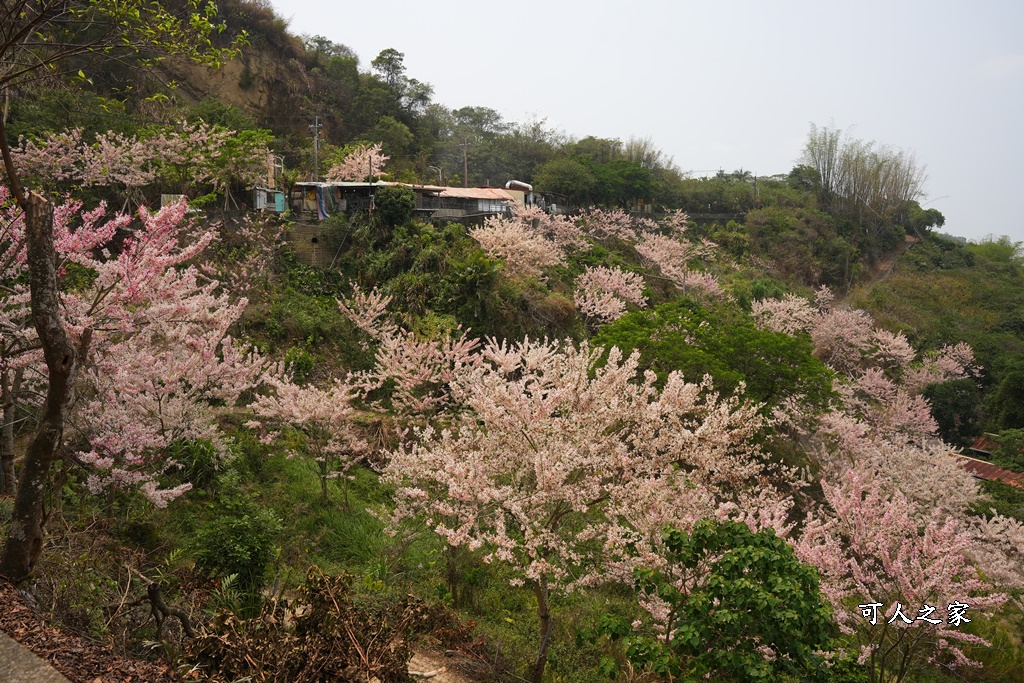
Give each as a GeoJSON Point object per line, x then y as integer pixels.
{"type": "Point", "coordinates": [989, 472]}
{"type": "Point", "coordinates": [985, 444]}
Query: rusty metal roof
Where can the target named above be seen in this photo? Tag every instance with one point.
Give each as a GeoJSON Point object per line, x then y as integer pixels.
{"type": "Point", "coordinates": [989, 472]}
{"type": "Point", "coordinates": [985, 444]}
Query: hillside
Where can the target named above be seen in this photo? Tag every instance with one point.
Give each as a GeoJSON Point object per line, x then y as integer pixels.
{"type": "Point", "coordinates": [524, 445]}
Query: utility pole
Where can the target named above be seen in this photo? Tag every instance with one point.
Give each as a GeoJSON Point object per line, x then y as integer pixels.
{"type": "Point", "coordinates": [315, 127]}
{"type": "Point", "coordinates": [465, 162]}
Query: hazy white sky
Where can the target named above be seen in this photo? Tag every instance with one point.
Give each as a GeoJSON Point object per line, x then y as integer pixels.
{"type": "Point", "coordinates": [733, 84]}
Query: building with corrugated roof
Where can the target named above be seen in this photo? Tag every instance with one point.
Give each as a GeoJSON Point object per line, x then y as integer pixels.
{"type": "Point", "coordinates": [320, 200]}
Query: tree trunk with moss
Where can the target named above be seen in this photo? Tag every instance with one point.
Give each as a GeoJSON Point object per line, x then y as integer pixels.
{"type": "Point", "coordinates": [25, 539]}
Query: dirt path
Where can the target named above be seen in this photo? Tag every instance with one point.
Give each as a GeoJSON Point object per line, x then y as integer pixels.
{"type": "Point", "coordinates": [879, 272]}
{"type": "Point", "coordinates": [436, 668]}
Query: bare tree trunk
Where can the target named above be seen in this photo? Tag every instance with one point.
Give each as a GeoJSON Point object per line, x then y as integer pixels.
{"type": "Point", "coordinates": [540, 589]}
{"type": "Point", "coordinates": [25, 540]}
{"type": "Point", "coordinates": [10, 385]}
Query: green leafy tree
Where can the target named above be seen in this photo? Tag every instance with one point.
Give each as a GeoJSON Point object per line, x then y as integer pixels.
{"type": "Point", "coordinates": [568, 177]}
{"type": "Point", "coordinates": [623, 183]}
{"type": "Point", "coordinates": [726, 344]}
{"type": "Point", "coordinates": [1010, 452]}
{"type": "Point", "coordinates": [955, 407]}
{"type": "Point", "coordinates": [1000, 249]}
{"type": "Point", "coordinates": [1006, 403]}
{"type": "Point", "coordinates": [393, 136]}
{"type": "Point", "coordinates": [390, 64]}
{"type": "Point", "coordinates": [732, 605]}
{"type": "Point", "coordinates": [395, 205]}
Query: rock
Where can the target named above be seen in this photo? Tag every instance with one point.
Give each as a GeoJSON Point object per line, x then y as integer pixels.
{"type": "Point", "coordinates": [21, 666]}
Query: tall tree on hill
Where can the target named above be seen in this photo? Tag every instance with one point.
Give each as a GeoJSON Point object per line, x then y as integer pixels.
{"type": "Point", "coordinates": [50, 39]}
{"type": "Point", "coordinates": [873, 185]}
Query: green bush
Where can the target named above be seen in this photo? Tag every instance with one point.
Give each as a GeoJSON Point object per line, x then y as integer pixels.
{"type": "Point", "coordinates": [198, 462]}
{"type": "Point", "coordinates": [395, 205]}
{"type": "Point", "coordinates": [1010, 452]}
{"type": "Point", "coordinates": [299, 362]}
{"type": "Point", "coordinates": [240, 540]}
{"type": "Point", "coordinates": [742, 591]}
{"type": "Point", "coordinates": [725, 343]}
{"type": "Point", "coordinates": [955, 405]}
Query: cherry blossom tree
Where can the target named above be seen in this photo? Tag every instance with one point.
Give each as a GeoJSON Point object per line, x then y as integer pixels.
{"type": "Point", "coordinates": [565, 469]}
{"type": "Point", "coordinates": [410, 377]}
{"type": "Point", "coordinates": [242, 256]}
{"type": "Point", "coordinates": [76, 235]}
{"type": "Point", "coordinates": [675, 223]}
{"type": "Point", "coordinates": [368, 311]}
{"type": "Point", "coordinates": [791, 314]}
{"type": "Point", "coordinates": [417, 372]}
{"type": "Point", "coordinates": [601, 224]}
{"type": "Point", "coordinates": [672, 257]}
{"type": "Point", "coordinates": [526, 253]}
{"type": "Point", "coordinates": [897, 527]}
{"type": "Point", "coordinates": [877, 554]}
{"type": "Point", "coordinates": [159, 351]}
{"type": "Point", "coordinates": [323, 416]}
{"type": "Point", "coordinates": [603, 293]}
{"type": "Point", "coordinates": [848, 342]}
{"type": "Point", "coordinates": [37, 40]}
{"type": "Point", "coordinates": [362, 163]}
{"type": "Point", "coordinates": [879, 378]}
{"type": "Point", "coordinates": [562, 230]}
{"type": "Point", "coordinates": [190, 155]}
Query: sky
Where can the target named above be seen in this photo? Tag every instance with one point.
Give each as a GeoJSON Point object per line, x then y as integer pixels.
{"type": "Point", "coordinates": [733, 84]}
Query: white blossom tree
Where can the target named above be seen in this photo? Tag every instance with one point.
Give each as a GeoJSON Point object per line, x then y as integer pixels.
{"type": "Point", "coordinates": [564, 468]}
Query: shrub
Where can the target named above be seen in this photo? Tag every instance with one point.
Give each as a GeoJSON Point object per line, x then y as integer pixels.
{"type": "Point", "coordinates": [395, 205]}
{"type": "Point", "coordinates": [738, 606]}
{"type": "Point", "coordinates": [240, 540]}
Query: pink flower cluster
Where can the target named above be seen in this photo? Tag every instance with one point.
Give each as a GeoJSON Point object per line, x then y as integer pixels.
{"type": "Point", "coordinates": [525, 252]}
{"type": "Point", "coordinates": [160, 353]}
{"type": "Point", "coordinates": [566, 469]}
{"type": "Point", "coordinates": [362, 163]}
{"type": "Point", "coordinates": [603, 293]}
{"type": "Point", "coordinates": [190, 155]}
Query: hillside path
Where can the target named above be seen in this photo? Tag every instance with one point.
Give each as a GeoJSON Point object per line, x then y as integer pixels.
{"type": "Point", "coordinates": [879, 272]}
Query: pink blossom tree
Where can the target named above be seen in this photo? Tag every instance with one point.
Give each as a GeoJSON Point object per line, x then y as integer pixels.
{"type": "Point", "coordinates": [876, 554]}
{"type": "Point", "coordinates": [325, 419]}
{"type": "Point", "coordinates": [565, 470]}
{"type": "Point", "coordinates": [879, 378]}
{"type": "Point", "coordinates": [562, 230]}
{"type": "Point", "coordinates": [672, 257]}
{"type": "Point", "coordinates": [601, 224]}
{"type": "Point", "coordinates": [526, 253]}
{"type": "Point", "coordinates": [37, 44]}
{"type": "Point", "coordinates": [368, 312]}
{"type": "Point", "coordinates": [418, 371]}
{"type": "Point", "coordinates": [603, 293]}
{"type": "Point", "coordinates": [159, 352]}
{"type": "Point", "coordinates": [362, 163]}
{"type": "Point", "coordinates": [20, 352]}
{"type": "Point", "coordinates": [189, 155]}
